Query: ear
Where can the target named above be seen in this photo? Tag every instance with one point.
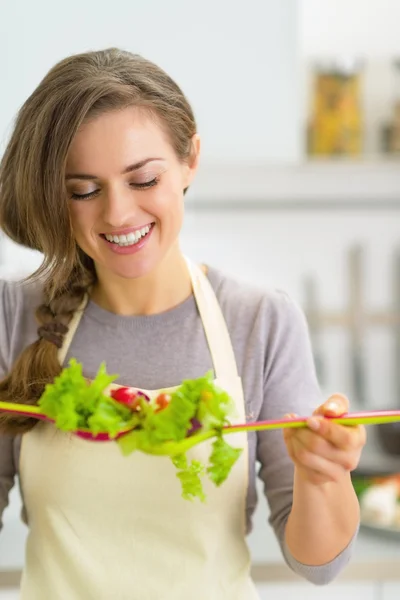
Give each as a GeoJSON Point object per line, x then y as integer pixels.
{"type": "Point", "coordinates": [192, 162]}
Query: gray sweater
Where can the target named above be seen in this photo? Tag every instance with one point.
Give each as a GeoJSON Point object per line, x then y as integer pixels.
{"type": "Point", "coordinates": [273, 353]}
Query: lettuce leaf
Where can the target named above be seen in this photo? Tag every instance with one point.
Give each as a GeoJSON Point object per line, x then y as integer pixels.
{"type": "Point", "coordinates": [194, 398]}
{"type": "Point", "coordinates": [74, 403]}
{"type": "Point", "coordinates": [189, 475]}
{"type": "Point", "coordinates": [222, 459]}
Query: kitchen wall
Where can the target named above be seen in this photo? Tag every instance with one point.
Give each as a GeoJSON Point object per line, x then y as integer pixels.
{"type": "Point", "coordinates": [225, 58]}
{"type": "Point", "coordinates": [349, 27]}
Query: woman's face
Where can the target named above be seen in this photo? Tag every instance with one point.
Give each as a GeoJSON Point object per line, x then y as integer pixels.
{"type": "Point", "coordinates": [125, 185]}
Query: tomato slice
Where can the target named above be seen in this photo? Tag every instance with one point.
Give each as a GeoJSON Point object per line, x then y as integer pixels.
{"type": "Point", "coordinates": [127, 396]}
{"type": "Point", "coordinates": [162, 401]}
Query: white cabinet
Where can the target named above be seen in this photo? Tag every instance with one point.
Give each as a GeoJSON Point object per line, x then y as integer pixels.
{"type": "Point", "coordinates": [344, 591]}
{"type": "Point", "coordinates": [304, 591]}
{"type": "Point", "coordinates": [390, 590]}
{"type": "Point", "coordinates": [9, 594]}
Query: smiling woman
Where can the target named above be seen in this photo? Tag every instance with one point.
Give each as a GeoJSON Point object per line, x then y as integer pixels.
{"type": "Point", "coordinates": [94, 177]}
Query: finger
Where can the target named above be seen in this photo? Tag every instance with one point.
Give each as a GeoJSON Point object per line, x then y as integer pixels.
{"type": "Point", "coordinates": [315, 463]}
{"type": "Point", "coordinates": [306, 472]}
{"type": "Point", "coordinates": [318, 445]}
{"type": "Point", "coordinates": [336, 405]}
{"type": "Point", "coordinates": [314, 476]}
{"type": "Point", "coordinates": [341, 436]}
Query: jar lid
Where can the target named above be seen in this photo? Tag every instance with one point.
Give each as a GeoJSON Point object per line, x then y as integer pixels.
{"type": "Point", "coordinates": [340, 65]}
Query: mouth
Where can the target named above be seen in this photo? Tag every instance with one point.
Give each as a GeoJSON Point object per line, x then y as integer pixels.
{"type": "Point", "coordinates": [128, 239]}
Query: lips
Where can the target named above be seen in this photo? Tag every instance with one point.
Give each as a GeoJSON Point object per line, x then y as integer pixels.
{"type": "Point", "coordinates": [128, 243]}
{"type": "Point", "coordinates": [131, 238]}
{"type": "Point", "coordinates": [127, 230]}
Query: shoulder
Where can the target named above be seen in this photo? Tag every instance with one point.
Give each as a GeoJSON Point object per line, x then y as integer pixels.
{"type": "Point", "coordinates": [18, 295]}
{"type": "Point", "coordinates": [18, 303]}
{"type": "Point", "coordinates": [271, 308]}
{"type": "Point", "coordinates": [270, 336]}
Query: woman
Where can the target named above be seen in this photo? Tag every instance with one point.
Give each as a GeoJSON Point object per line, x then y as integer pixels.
{"type": "Point", "coordinates": [94, 177]}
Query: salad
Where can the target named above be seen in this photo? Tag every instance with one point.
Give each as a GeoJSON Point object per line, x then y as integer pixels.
{"type": "Point", "coordinates": [168, 425]}
{"type": "Point", "coordinates": [379, 499]}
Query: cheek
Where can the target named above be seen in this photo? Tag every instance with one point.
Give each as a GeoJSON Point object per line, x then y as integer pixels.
{"type": "Point", "coordinates": [81, 217]}
{"type": "Point", "coordinates": [169, 210]}
{"type": "Point", "coordinates": [168, 200]}
{"type": "Point", "coordinates": [82, 221]}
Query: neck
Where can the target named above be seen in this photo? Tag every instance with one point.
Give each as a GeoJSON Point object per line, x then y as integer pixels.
{"type": "Point", "coordinates": [160, 290]}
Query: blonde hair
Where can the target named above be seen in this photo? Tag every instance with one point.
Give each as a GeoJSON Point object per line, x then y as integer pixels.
{"type": "Point", "coordinates": [33, 200]}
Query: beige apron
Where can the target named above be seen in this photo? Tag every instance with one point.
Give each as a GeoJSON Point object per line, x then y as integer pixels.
{"type": "Point", "coordinates": [107, 527]}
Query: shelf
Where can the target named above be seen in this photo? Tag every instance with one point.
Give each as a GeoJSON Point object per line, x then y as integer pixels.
{"type": "Point", "coordinates": [316, 184]}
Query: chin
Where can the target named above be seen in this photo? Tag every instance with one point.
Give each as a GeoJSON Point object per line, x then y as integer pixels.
{"type": "Point", "coordinates": [129, 274]}
{"type": "Point", "coordinates": [129, 269]}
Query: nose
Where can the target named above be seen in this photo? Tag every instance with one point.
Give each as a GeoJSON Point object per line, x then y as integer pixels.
{"type": "Point", "coordinates": [119, 206]}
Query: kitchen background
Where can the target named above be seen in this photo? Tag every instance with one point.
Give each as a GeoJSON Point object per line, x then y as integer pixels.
{"type": "Point", "coordinates": [298, 105]}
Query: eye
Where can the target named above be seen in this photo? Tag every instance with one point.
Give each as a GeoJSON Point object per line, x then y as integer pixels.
{"type": "Point", "coordinates": [137, 186]}
{"type": "Point", "coordinates": [145, 184]}
{"type": "Point", "coordinates": [84, 196]}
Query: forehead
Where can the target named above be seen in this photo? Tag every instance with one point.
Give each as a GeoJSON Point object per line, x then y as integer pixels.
{"type": "Point", "coordinates": [111, 141]}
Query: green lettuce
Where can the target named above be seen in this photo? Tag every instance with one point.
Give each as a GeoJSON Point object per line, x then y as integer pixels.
{"type": "Point", "coordinates": [190, 477]}
{"type": "Point", "coordinates": [222, 459]}
{"type": "Point", "coordinates": [74, 403]}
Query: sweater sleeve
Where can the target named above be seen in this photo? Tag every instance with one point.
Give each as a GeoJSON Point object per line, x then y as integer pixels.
{"type": "Point", "coordinates": [290, 386]}
{"type": "Point", "coordinates": [7, 463]}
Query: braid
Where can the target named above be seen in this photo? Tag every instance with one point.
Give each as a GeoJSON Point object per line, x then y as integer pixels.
{"type": "Point", "coordinates": [38, 364]}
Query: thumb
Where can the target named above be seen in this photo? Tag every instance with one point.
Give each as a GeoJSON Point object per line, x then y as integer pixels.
{"type": "Point", "coordinates": [336, 405]}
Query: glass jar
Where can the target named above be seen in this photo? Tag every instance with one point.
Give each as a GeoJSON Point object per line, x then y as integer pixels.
{"type": "Point", "coordinates": [336, 122]}
{"type": "Point", "coordinates": [393, 130]}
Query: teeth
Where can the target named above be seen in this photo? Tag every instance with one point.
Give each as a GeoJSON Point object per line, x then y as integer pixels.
{"type": "Point", "coordinates": [131, 238]}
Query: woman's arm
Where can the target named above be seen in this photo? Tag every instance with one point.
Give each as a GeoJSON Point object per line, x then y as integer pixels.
{"type": "Point", "coordinates": [323, 495]}
{"type": "Point", "coordinates": [300, 510]}
{"type": "Point", "coordinates": [7, 463]}
{"type": "Point", "coordinates": [323, 520]}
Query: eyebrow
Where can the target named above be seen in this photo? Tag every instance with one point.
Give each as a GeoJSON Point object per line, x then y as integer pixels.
{"type": "Point", "coordinates": [129, 169]}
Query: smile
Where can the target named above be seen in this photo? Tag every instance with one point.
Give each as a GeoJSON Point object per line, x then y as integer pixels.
{"type": "Point", "coordinates": [130, 239]}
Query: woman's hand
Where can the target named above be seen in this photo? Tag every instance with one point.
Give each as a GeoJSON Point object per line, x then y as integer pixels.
{"type": "Point", "coordinates": [325, 451]}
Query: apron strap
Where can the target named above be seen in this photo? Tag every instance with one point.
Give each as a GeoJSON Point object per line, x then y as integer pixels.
{"type": "Point", "coordinates": [214, 324]}
{"type": "Point", "coordinates": [72, 327]}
